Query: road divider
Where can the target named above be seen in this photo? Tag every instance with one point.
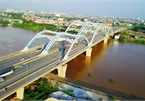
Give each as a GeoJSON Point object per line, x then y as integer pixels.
{"type": "Point", "coordinates": [19, 53]}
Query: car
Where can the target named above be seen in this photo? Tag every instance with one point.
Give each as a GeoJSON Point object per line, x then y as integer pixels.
{"type": "Point", "coordinates": [1, 79]}
{"type": "Point", "coordinates": [6, 72]}
{"type": "Point", "coordinates": [76, 45]}
{"type": "Point", "coordinates": [22, 59]}
{"type": "Point", "coordinates": [38, 49]}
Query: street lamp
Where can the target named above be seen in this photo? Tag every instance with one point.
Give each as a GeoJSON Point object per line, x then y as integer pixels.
{"type": "Point", "coordinates": [63, 48]}
{"type": "Point", "coordinates": [27, 69]}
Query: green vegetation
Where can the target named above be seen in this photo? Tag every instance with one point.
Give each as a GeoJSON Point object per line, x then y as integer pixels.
{"type": "Point", "coordinates": [127, 36]}
{"type": "Point", "coordinates": [40, 92]}
{"type": "Point", "coordinates": [30, 25]}
{"type": "Point", "coordinates": [71, 19]}
{"type": "Point", "coordinates": [63, 28]}
{"type": "Point", "coordinates": [69, 91]}
{"type": "Point", "coordinates": [72, 31]}
{"type": "Point", "coordinates": [139, 27]}
{"type": "Point", "coordinates": [139, 42]}
{"type": "Point", "coordinates": [112, 80]}
{"type": "Point", "coordinates": [88, 98]}
{"type": "Point", "coordinates": [113, 98]}
{"type": "Point", "coordinates": [122, 39]}
{"type": "Point", "coordinates": [82, 19]}
{"type": "Point", "coordinates": [118, 25]}
{"type": "Point", "coordinates": [14, 15]}
{"type": "Point", "coordinates": [4, 23]}
{"type": "Point", "coordinates": [90, 75]}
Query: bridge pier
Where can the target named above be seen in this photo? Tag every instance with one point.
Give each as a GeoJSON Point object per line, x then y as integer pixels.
{"type": "Point", "coordinates": [106, 39]}
{"type": "Point", "coordinates": [62, 70]}
{"type": "Point", "coordinates": [20, 93]}
{"type": "Point", "coordinates": [88, 52]}
{"type": "Point", "coordinates": [87, 60]}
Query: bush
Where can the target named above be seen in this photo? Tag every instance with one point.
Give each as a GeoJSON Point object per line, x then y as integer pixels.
{"type": "Point", "coordinates": [69, 91]}
{"type": "Point", "coordinates": [122, 39]}
{"type": "Point", "coordinates": [112, 81]}
{"type": "Point", "coordinates": [40, 92]}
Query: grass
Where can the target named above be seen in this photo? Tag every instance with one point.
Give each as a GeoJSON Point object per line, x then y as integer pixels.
{"type": "Point", "coordinates": [90, 75]}
{"type": "Point", "coordinates": [69, 91]}
{"type": "Point", "coordinates": [88, 98]}
{"type": "Point", "coordinates": [112, 80]}
{"type": "Point", "coordinates": [113, 98]}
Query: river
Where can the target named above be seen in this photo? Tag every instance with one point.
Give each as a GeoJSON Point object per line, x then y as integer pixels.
{"type": "Point", "coordinates": [13, 39]}
{"type": "Point", "coordinates": [124, 62]}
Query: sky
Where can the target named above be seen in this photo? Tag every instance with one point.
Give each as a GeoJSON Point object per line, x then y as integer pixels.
{"type": "Point", "coordinates": [117, 8]}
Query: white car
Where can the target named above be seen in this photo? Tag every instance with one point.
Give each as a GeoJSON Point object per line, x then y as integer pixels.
{"type": "Point", "coordinates": [6, 72]}
{"type": "Point", "coordinates": [1, 79]}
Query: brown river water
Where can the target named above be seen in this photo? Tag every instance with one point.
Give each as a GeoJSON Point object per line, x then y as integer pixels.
{"type": "Point", "coordinates": [124, 62]}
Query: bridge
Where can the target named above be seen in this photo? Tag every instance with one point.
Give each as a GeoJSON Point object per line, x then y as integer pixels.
{"type": "Point", "coordinates": [48, 51]}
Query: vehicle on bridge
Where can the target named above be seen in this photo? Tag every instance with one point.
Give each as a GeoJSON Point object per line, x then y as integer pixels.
{"type": "Point", "coordinates": [6, 72]}
{"type": "Point", "coordinates": [39, 49]}
{"type": "Point", "coordinates": [1, 79]}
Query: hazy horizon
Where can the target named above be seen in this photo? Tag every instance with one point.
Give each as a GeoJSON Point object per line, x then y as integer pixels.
{"type": "Point", "coordinates": [123, 8]}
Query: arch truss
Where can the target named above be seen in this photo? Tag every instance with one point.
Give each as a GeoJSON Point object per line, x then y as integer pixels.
{"type": "Point", "coordinates": [66, 43]}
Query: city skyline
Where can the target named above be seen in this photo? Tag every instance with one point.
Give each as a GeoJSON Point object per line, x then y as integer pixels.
{"type": "Point", "coordinates": [123, 8]}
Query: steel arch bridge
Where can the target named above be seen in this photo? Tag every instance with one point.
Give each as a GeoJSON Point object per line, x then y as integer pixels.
{"type": "Point", "coordinates": [77, 33]}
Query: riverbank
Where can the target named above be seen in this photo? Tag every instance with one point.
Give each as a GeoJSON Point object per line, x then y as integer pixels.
{"type": "Point", "coordinates": [72, 91]}
{"type": "Point", "coordinates": [48, 89]}
{"type": "Point", "coordinates": [93, 88]}
{"type": "Point", "coordinates": [33, 26]}
{"type": "Point", "coordinates": [60, 89]}
{"type": "Point", "coordinates": [137, 38]}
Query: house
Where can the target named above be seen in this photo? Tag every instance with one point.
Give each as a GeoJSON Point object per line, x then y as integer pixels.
{"type": "Point", "coordinates": [117, 36]}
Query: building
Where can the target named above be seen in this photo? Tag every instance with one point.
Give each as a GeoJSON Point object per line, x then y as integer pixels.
{"type": "Point", "coordinates": [117, 36]}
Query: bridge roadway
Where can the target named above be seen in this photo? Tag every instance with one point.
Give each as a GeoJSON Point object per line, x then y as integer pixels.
{"type": "Point", "coordinates": [39, 67]}
{"type": "Point", "coordinates": [8, 61]}
{"type": "Point", "coordinates": [19, 58]}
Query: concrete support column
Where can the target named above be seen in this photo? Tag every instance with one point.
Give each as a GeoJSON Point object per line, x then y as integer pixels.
{"type": "Point", "coordinates": [62, 70]}
{"type": "Point", "coordinates": [88, 52]}
{"type": "Point", "coordinates": [87, 60]}
{"type": "Point", "coordinates": [106, 39]}
{"type": "Point", "coordinates": [20, 93]}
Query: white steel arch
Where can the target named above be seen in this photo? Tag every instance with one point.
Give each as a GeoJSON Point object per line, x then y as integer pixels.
{"type": "Point", "coordinates": [54, 39]}
{"type": "Point", "coordinates": [84, 26]}
{"type": "Point", "coordinates": [75, 22]}
{"type": "Point", "coordinates": [108, 30]}
{"type": "Point", "coordinates": [37, 36]}
{"type": "Point", "coordinates": [95, 33]}
{"type": "Point", "coordinates": [69, 50]}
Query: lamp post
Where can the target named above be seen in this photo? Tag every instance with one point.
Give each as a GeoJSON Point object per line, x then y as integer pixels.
{"type": "Point", "coordinates": [63, 48]}
{"type": "Point", "coordinates": [27, 69]}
